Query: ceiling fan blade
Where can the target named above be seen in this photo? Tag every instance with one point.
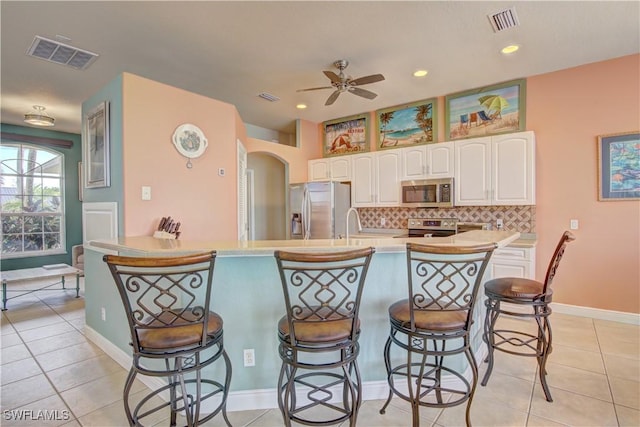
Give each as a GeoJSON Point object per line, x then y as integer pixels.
{"type": "Point", "coordinates": [367, 79]}
{"type": "Point", "coordinates": [314, 88]}
{"type": "Point", "coordinates": [332, 76]}
{"type": "Point", "coordinates": [332, 98]}
{"type": "Point", "coordinates": [363, 93]}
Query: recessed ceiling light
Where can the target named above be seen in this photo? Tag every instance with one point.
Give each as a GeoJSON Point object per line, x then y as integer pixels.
{"type": "Point", "coordinates": [301, 106]}
{"type": "Point", "coordinates": [512, 48]}
{"type": "Point", "coordinates": [420, 73]}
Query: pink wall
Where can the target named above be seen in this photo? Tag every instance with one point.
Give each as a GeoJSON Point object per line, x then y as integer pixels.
{"type": "Point", "coordinates": [310, 148]}
{"type": "Point", "coordinates": [151, 113]}
{"type": "Point", "coordinates": [568, 109]}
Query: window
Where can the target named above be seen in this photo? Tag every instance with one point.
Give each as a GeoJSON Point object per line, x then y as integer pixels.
{"type": "Point", "coordinates": [32, 201]}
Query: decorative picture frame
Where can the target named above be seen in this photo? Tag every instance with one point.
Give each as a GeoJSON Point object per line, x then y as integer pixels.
{"type": "Point", "coordinates": [408, 124]}
{"type": "Point", "coordinates": [484, 111]}
{"type": "Point", "coordinates": [96, 147]}
{"type": "Point", "coordinates": [619, 166]}
{"type": "Point", "coordinates": [348, 135]}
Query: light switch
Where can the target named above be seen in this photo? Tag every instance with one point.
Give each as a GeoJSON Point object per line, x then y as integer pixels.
{"type": "Point", "coordinates": [146, 192]}
{"type": "Point", "coordinates": [574, 224]}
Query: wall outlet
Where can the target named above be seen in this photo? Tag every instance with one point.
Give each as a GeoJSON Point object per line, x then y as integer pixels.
{"type": "Point", "coordinates": [103, 314]}
{"type": "Point", "coordinates": [499, 223]}
{"type": "Point", "coordinates": [574, 224]}
{"type": "Point", "coordinates": [221, 171]}
{"type": "Point", "coordinates": [249, 357]}
{"type": "Point", "coordinates": [383, 221]}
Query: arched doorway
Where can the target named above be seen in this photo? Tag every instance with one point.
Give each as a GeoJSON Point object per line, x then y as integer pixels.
{"type": "Point", "coordinates": [267, 202]}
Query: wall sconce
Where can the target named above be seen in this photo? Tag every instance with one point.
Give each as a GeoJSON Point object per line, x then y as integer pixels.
{"type": "Point", "coordinates": [38, 117]}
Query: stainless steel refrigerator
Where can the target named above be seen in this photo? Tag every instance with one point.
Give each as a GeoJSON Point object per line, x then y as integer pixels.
{"type": "Point", "coordinates": [318, 210]}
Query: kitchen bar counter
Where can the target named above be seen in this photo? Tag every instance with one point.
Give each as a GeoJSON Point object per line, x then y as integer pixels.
{"type": "Point", "coordinates": [248, 295]}
{"type": "Point", "coordinates": [151, 245]}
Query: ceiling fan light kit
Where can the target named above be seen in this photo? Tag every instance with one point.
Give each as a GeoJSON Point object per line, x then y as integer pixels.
{"type": "Point", "coordinates": [342, 83]}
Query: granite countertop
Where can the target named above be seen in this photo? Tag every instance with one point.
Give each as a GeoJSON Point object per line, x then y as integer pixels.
{"type": "Point", "coordinates": [526, 240]}
{"type": "Point", "coordinates": [147, 245]}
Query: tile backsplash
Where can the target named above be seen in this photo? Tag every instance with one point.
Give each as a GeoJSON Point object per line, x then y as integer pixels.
{"type": "Point", "coordinates": [517, 218]}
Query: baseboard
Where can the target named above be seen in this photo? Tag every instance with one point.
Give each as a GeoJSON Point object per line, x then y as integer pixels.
{"type": "Point", "coordinates": [597, 313]}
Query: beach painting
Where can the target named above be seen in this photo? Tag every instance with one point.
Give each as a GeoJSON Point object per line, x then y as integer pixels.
{"type": "Point", "coordinates": [349, 135]}
{"type": "Point", "coordinates": [619, 166]}
{"type": "Point", "coordinates": [409, 124]}
{"type": "Point", "coordinates": [486, 111]}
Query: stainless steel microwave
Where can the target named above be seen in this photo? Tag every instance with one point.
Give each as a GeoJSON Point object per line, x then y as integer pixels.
{"type": "Point", "coordinates": [428, 193]}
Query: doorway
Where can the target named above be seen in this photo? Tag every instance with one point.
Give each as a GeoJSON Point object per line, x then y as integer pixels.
{"type": "Point", "coordinates": [267, 207]}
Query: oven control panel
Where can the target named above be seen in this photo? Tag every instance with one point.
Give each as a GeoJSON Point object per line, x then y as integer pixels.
{"type": "Point", "coordinates": [433, 223]}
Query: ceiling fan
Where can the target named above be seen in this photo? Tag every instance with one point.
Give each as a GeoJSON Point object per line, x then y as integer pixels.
{"type": "Point", "coordinates": [342, 83]}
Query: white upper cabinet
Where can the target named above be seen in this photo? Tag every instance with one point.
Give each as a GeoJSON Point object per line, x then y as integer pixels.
{"type": "Point", "coordinates": [340, 168]}
{"type": "Point", "coordinates": [514, 172]}
{"type": "Point", "coordinates": [363, 180]}
{"type": "Point", "coordinates": [428, 161]}
{"type": "Point", "coordinates": [318, 170]}
{"type": "Point", "coordinates": [496, 170]}
{"type": "Point", "coordinates": [388, 178]}
{"type": "Point", "coordinates": [375, 179]}
{"type": "Point", "coordinates": [473, 172]}
{"type": "Point", "coordinates": [334, 168]}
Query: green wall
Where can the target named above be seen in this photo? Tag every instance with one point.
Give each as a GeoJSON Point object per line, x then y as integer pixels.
{"type": "Point", "coordinates": [112, 93]}
{"type": "Point", "coordinates": [73, 206]}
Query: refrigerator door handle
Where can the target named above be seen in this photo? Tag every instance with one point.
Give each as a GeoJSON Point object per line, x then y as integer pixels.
{"type": "Point", "coordinates": [303, 210]}
{"type": "Point", "coordinates": [307, 207]}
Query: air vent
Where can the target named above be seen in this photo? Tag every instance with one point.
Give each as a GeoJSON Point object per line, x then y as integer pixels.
{"type": "Point", "coordinates": [60, 53]}
{"type": "Point", "coordinates": [269, 97]}
{"type": "Point", "coordinates": [502, 20]}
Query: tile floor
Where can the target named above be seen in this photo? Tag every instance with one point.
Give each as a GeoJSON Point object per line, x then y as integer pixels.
{"type": "Point", "coordinates": [48, 364]}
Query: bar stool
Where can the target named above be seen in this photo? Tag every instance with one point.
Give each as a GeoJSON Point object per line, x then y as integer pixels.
{"type": "Point", "coordinates": [434, 324]}
{"type": "Point", "coordinates": [319, 334]}
{"type": "Point", "coordinates": [166, 301]}
{"type": "Point", "coordinates": [533, 295]}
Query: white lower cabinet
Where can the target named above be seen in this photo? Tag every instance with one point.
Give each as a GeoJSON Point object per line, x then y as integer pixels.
{"type": "Point", "coordinates": [513, 262]}
{"type": "Point", "coordinates": [375, 179]}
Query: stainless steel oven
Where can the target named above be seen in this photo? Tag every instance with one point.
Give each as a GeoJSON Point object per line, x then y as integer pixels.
{"type": "Point", "coordinates": [432, 227]}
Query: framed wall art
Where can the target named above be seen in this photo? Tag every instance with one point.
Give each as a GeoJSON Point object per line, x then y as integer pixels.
{"type": "Point", "coordinates": [349, 135]}
{"type": "Point", "coordinates": [486, 111]}
{"type": "Point", "coordinates": [619, 166]}
{"type": "Point", "coordinates": [95, 146]}
{"type": "Point", "coordinates": [408, 124]}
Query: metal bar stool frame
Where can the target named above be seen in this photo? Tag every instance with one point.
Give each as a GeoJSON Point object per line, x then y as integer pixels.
{"type": "Point", "coordinates": [443, 282]}
{"type": "Point", "coordinates": [322, 294]}
{"type": "Point", "coordinates": [523, 293]}
{"type": "Point", "coordinates": [167, 323]}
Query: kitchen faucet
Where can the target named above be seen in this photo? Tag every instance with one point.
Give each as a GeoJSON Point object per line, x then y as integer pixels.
{"type": "Point", "coordinates": [352, 209]}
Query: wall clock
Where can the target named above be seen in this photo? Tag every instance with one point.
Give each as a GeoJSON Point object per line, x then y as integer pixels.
{"type": "Point", "coordinates": [190, 141]}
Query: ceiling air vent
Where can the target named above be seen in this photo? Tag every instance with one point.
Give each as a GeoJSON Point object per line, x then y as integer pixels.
{"type": "Point", "coordinates": [504, 19]}
{"type": "Point", "coordinates": [60, 53]}
{"type": "Point", "coordinates": [269, 97]}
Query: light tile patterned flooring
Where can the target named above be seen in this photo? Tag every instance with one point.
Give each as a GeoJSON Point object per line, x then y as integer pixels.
{"type": "Point", "coordinates": [48, 364]}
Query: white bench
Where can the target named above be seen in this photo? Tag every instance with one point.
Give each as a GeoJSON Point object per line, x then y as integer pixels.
{"type": "Point", "coordinates": [44, 272]}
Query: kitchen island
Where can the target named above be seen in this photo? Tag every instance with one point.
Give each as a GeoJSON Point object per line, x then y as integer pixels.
{"type": "Point", "coordinates": [248, 295]}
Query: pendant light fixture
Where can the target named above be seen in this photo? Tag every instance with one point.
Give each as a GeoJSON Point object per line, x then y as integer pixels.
{"type": "Point", "coordinates": [38, 117]}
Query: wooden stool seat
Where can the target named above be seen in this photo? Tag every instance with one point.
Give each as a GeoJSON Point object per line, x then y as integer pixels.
{"type": "Point", "coordinates": [333, 328]}
{"type": "Point", "coordinates": [445, 320]}
{"type": "Point", "coordinates": [182, 333]}
{"type": "Point", "coordinates": [515, 288]}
